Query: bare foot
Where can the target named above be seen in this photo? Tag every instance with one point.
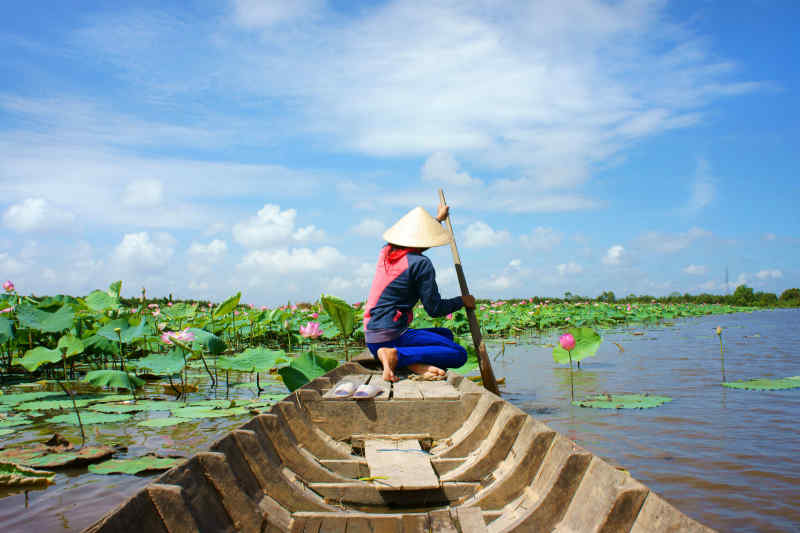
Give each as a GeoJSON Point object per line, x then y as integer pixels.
{"type": "Point", "coordinates": [427, 371]}
{"type": "Point", "coordinates": [388, 358]}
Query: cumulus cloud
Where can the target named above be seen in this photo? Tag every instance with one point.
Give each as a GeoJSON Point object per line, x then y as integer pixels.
{"type": "Point", "coordinates": [213, 251]}
{"type": "Point", "coordinates": [139, 252]}
{"type": "Point", "coordinates": [541, 238]}
{"type": "Point", "coordinates": [614, 255]}
{"type": "Point", "coordinates": [769, 274]}
{"type": "Point", "coordinates": [143, 193]}
{"type": "Point", "coordinates": [480, 234]}
{"type": "Point", "coordinates": [515, 264]}
{"type": "Point", "coordinates": [284, 260]}
{"type": "Point", "coordinates": [369, 227]}
{"type": "Point", "coordinates": [271, 226]}
{"type": "Point", "coordinates": [569, 269]}
{"type": "Point", "coordinates": [442, 167]}
{"type": "Point", "coordinates": [36, 214]}
{"type": "Point", "coordinates": [695, 270]}
{"type": "Point", "coordinates": [309, 233]}
{"type": "Point", "coordinates": [670, 243]}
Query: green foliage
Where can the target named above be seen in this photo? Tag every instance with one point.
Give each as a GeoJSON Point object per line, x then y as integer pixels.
{"type": "Point", "coordinates": [622, 401]}
{"type": "Point", "coordinates": [88, 418]}
{"type": "Point", "coordinates": [743, 295]}
{"type": "Point", "coordinates": [252, 360]}
{"type": "Point", "coordinates": [227, 306]}
{"type": "Point", "coordinates": [341, 313]}
{"type": "Point", "coordinates": [115, 289]}
{"type": "Point", "coordinates": [14, 475]}
{"type": "Point", "coordinates": [208, 341]}
{"type": "Point", "coordinates": [305, 368]}
{"type": "Point", "coordinates": [472, 357]}
{"type": "Point", "coordinates": [113, 378]}
{"type": "Point", "coordinates": [6, 330]}
{"type": "Point", "coordinates": [790, 295]}
{"type": "Point", "coordinates": [587, 341]}
{"type": "Point", "coordinates": [20, 397]}
{"type": "Point", "coordinates": [101, 300]}
{"type": "Point", "coordinates": [167, 364]}
{"type": "Point", "coordinates": [764, 383]}
{"type": "Point", "coordinates": [35, 358]}
{"type": "Point", "coordinates": [127, 332]}
{"type": "Point", "coordinates": [70, 345]}
{"type": "Point", "coordinates": [147, 463]}
{"type": "Point", "coordinates": [33, 318]}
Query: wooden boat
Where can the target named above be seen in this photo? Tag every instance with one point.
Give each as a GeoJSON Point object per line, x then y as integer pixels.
{"type": "Point", "coordinates": [421, 456]}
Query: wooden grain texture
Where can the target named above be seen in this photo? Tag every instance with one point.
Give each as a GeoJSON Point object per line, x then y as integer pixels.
{"type": "Point", "coordinates": [406, 390]}
{"type": "Point", "coordinates": [385, 386]}
{"type": "Point", "coordinates": [438, 390]}
{"type": "Point", "coordinates": [355, 379]}
{"type": "Point", "coordinates": [401, 464]}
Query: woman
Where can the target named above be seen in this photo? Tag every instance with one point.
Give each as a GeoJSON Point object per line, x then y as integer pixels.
{"type": "Point", "coordinates": [403, 276]}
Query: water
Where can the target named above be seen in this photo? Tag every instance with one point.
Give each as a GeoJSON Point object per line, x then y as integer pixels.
{"type": "Point", "coordinates": [725, 457]}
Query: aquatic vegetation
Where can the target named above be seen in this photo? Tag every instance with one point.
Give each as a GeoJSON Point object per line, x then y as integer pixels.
{"type": "Point", "coordinates": [622, 401]}
{"type": "Point", "coordinates": [583, 341]}
{"type": "Point", "coordinates": [792, 382]}
{"type": "Point", "coordinates": [137, 465]}
{"type": "Point", "coordinates": [14, 475]}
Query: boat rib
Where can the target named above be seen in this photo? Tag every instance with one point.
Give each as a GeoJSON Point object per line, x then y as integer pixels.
{"type": "Point", "coordinates": [421, 456]}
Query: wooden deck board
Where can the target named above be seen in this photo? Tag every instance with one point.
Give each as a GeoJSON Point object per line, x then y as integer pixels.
{"type": "Point", "coordinates": [402, 463]}
{"type": "Point", "coordinates": [439, 390]}
{"type": "Point", "coordinates": [377, 380]}
{"type": "Point", "coordinates": [406, 389]}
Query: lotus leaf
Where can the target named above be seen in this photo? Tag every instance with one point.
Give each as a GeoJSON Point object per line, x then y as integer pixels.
{"type": "Point", "coordinates": [6, 432]}
{"type": "Point", "coordinates": [252, 360]}
{"type": "Point", "coordinates": [622, 401]}
{"type": "Point", "coordinates": [217, 404]}
{"type": "Point", "coordinates": [162, 364]}
{"type": "Point", "coordinates": [33, 318]}
{"type": "Point", "coordinates": [17, 398]}
{"type": "Point", "coordinates": [765, 384]}
{"type": "Point", "coordinates": [304, 368]}
{"type": "Point", "coordinates": [62, 402]}
{"type": "Point", "coordinates": [342, 314]}
{"type": "Point", "coordinates": [88, 417]}
{"type": "Point", "coordinates": [38, 356]}
{"type": "Point", "coordinates": [113, 378]}
{"type": "Point", "coordinates": [101, 344]}
{"type": "Point", "coordinates": [70, 458]}
{"type": "Point", "coordinates": [115, 288]}
{"type": "Point", "coordinates": [141, 405]}
{"type": "Point", "coordinates": [16, 420]}
{"type": "Point", "coordinates": [147, 463]}
{"type": "Point", "coordinates": [6, 330]}
{"type": "Point", "coordinates": [210, 342]}
{"type": "Point", "coordinates": [163, 422]}
{"type": "Point", "coordinates": [101, 300]}
{"type": "Point", "coordinates": [207, 412]}
{"type": "Point", "coordinates": [227, 306]}
{"type": "Point", "coordinates": [127, 332]}
{"type": "Point", "coordinates": [14, 475]}
{"type": "Point", "coordinates": [70, 345]}
{"type": "Point", "coordinates": [587, 341]}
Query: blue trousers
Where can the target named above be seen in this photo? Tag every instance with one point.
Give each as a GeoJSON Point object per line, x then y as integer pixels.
{"type": "Point", "coordinates": [432, 346]}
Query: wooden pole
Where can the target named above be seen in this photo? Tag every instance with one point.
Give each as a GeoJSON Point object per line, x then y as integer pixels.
{"type": "Point", "coordinates": [487, 375]}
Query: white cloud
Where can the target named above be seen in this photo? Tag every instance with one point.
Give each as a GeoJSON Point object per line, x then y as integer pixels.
{"type": "Point", "coordinates": [769, 274]}
{"type": "Point", "coordinates": [568, 269]}
{"type": "Point", "coordinates": [695, 270]}
{"type": "Point", "coordinates": [541, 238]}
{"type": "Point", "coordinates": [501, 282]}
{"type": "Point", "coordinates": [254, 14]}
{"type": "Point", "coordinates": [283, 260]}
{"type": "Point", "coordinates": [671, 243]}
{"type": "Point", "coordinates": [442, 167]}
{"type": "Point", "coordinates": [479, 235]}
{"type": "Point", "coordinates": [36, 214]}
{"type": "Point", "coordinates": [702, 189]}
{"type": "Point", "coordinates": [309, 233]}
{"type": "Point", "coordinates": [270, 226]}
{"type": "Point", "coordinates": [615, 255]}
{"type": "Point", "coordinates": [139, 252]}
{"type": "Point", "coordinates": [369, 227]}
{"type": "Point", "coordinates": [515, 264]}
{"type": "Point", "coordinates": [213, 251]}
{"type": "Point", "coordinates": [770, 237]}
{"type": "Point", "coordinates": [10, 265]}
{"type": "Point", "coordinates": [143, 193]}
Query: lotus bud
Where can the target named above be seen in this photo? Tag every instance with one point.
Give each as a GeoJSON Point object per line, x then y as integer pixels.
{"type": "Point", "coordinates": [117, 330]}
{"type": "Point", "coordinates": [719, 330]}
{"type": "Point", "coordinates": [567, 341]}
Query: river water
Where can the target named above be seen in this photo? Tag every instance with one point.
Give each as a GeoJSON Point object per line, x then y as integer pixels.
{"type": "Point", "coordinates": [724, 456]}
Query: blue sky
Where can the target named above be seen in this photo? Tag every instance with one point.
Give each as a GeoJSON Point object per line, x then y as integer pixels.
{"type": "Point", "coordinates": [199, 148]}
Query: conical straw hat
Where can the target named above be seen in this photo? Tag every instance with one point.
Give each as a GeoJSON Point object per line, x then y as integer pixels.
{"type": "Point", "coordinates": [417, 229]}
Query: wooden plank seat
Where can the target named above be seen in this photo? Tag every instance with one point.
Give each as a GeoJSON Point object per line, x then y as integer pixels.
{"type": "Point", "coordinates": [400, 464]}
{"type": "Point", "coordinates": [405, 389]}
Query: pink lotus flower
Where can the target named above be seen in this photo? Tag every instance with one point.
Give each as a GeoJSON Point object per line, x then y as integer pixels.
{"type": "Point", "coordinates": [236, 313]}
{"type": "Point", "coordinates": [250, 306]}
{"type": "Point", "coordinates": [152, 306]}
{"type": "Point", "coordinates": [567, 341]}
{"type": "Point", "coordinates": [6, 310]}
{"type": "Point", "coordinates": [8, 286]}
{"type": "Point", "coordinates": [314, 315]}
{"type": "Point", "coordinates": [263, 307]}
{"type": "Point", "coordinates": [449, 316]}
{"type": "Point", "coordinates": [629, 307]}
{"type": "Point", "coordinates": [182, 336]}
{"type": "Point", "coordinates": [294, 308]}
{"type": "Point", "coordinates": [310, 330]}
{"type": "Point", "coordinates": [169, 304]}
{"type": "Point", "coordinates": [157, 312]}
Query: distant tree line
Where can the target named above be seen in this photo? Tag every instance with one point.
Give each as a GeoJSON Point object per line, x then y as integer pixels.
{"type": "Point", "coordinates": [743, 296]}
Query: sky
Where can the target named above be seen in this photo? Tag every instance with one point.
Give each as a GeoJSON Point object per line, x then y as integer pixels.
{"type": "Point", "coordinates": [200, 148]}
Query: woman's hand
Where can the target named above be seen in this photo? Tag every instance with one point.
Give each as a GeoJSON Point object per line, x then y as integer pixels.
{"type": "Point", "coordinates": [469, 301]}
{"type": "Point", "coordinates": [443, 211]}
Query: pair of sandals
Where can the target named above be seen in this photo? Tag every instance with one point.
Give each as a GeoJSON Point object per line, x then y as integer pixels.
{"type": "Point", "coordinates": [362, 392]}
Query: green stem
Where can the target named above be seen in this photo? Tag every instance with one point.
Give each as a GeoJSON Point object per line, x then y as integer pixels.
{"type": "Point", "coordinates": [722, 358]}
{"type": "Point", "coordinates": [571, 385]}
{"type": "Point", "coordinates": [75, 407]}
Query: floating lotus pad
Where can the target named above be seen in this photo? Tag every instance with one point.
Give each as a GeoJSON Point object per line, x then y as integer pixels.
{"type": "Point", "coordinates": [16, 420]}
{"type": "Point", "coordinates": [20, 397]}
{"type": "Point", "coordinates": [622, 401]}
{"type": "Point", "coordinates": [147, 463]}
{"type": "Point", "coordinates": [765, 384]}
{"type": "Point", "coordinates": [206, 412]}
{"type": "Point", "coordinates": [87, 418]}
{"type": "Point", "coordinates": [163, 422]}
{"type": "Point", "coordinates": [14, 475]}
{"type": "Point", "coordinates": [42, 456]}
{"type": "Point", "coordinates": [141, 405]}
{"type": "Point", "coordinates": [6, 432]}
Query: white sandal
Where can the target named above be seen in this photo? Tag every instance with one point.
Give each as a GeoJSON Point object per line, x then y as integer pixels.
{"type": "Point", "coordinates": [364, 392]}
{"type": "Point", "coordinates": [344, 390]}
